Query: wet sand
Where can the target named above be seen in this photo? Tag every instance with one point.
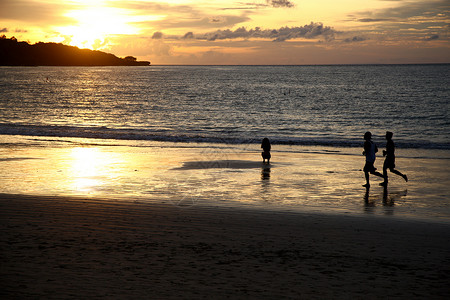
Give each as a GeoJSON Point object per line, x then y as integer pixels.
{"type": "Point", "coordinates": [300, 178]}
{"type": "Point", "coordinates": [88, 248]}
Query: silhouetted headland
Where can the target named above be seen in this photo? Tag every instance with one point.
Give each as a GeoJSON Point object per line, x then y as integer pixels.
{"type": "Point", "coordinates": [15, 53]}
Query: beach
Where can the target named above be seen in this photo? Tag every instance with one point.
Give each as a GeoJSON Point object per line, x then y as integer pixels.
{"type": "Point", "coordinates": [85, 248]}
{"type": "Point", "coordinates": [148, 183]}
{"type": "Point", "coordinates": [88, 219]}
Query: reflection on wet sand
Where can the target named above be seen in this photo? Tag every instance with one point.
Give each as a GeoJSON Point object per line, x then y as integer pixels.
{"type": "Point", "coordinates": [219, 164]}
{"type": "Point", "coordinates": [90, 170]}
{"type": "Point", "coordinates": [265, 184]}
{"type": "Point", "coordinates": [85, 168]}
{"type": "Point", "coordinates": [265, 173]}
{"type": "Point", "coordinates": [388, 200]}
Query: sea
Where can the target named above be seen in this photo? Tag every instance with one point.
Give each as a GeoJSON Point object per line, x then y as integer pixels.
{"type": "Point", "coordinates": [327, 107]}
{"type": "Point", "coordinates": [294, 105]}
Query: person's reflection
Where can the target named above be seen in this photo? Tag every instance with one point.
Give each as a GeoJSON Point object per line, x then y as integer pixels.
{"type": "Point", "coordinates": [387, 201]}
{"type": "Point", "coordinates": [265, 173]}
{"type": "Point", "coordinates": [369, 204]}
{"type": "Point", "coordinates": [265, 182]}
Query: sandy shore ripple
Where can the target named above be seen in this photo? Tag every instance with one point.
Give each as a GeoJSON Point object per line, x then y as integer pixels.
{"type": "Point", "coordinates": [59, 248]}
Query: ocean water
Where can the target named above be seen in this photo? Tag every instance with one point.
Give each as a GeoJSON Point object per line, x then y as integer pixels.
{"type": "Point", "coordinates": [191, 135]}
{"type": "Point", "coordinates": [293, 105]}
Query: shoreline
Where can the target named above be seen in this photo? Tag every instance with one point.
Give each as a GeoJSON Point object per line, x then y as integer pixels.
{"type": "Point", "coordinates": [298, 179]}
{"type": "Point", "coordinates": [77, 247]}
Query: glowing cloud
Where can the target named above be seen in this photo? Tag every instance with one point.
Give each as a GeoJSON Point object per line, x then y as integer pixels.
{"type": "Point", "coordinates": [236, 31]}
{"type": "Point", "coordinates": [93, 25]}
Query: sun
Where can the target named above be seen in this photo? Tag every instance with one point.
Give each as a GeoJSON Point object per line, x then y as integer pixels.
{"type": "Point", "coordinates": [94, 25]}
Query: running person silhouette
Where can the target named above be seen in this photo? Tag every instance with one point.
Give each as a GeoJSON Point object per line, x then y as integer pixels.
{"type": "Point", "coordinates": [389, 161]}
{"type": "Point", "coordinates": [369, 151]}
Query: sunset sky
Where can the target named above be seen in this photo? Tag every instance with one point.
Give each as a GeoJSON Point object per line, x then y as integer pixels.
{"type": "Point", "coordinates": [240, 32]}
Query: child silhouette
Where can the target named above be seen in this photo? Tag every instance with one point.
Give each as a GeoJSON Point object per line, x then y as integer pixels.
{"type": "Point", "coordinates": [265, 145]}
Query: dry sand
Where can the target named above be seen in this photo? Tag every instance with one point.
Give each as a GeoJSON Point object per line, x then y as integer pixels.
{"type": "Point", "coordinates": [59, 248]}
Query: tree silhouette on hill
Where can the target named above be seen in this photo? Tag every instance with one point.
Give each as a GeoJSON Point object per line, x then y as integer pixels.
{"type": "Point", "coordinates": [15, 53]}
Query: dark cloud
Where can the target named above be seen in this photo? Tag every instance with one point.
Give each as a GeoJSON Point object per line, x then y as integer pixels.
{"type": "Point", "coordinates": [189, 35]}
{"type": "Point", "coordinates": [157, 35]}
{"type": "Point", "coordinates": [313, 30]}
{"type": "Point", "coordinates": [354, 39]}
{"type": "Point", "coordinates": [280, 3]}
{"type": "Point", "coordinates": [433, 37]}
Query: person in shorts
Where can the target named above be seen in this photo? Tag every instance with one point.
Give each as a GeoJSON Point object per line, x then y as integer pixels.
{"type": "Point", "coordinates": [389, 161]}
{"type": "Point", "coordinates": [370, 150]}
